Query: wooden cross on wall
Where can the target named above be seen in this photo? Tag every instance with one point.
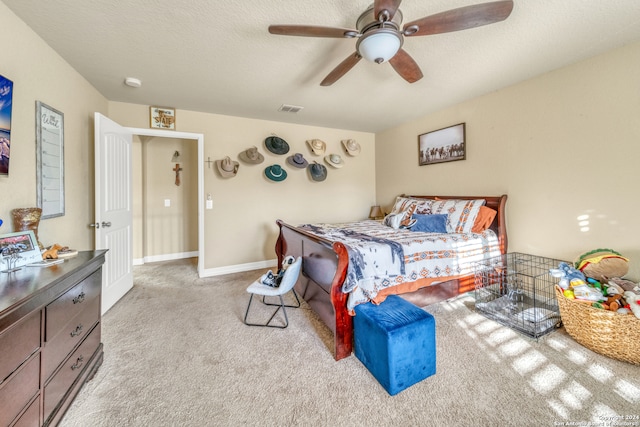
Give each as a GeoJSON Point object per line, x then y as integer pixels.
{"type": "Point", "coordinates": [177, 170]}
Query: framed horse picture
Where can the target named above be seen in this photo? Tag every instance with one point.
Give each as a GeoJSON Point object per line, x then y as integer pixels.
{"type": "Point", "coordinates": [442, 145]}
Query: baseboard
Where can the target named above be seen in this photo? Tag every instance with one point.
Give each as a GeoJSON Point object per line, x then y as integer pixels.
{"type": "Point", "coordinates": [166, 257]}
{"type": "Point", "coordinates": [239, 268]}
{"type": "Point", "coordinates": [210, 272]}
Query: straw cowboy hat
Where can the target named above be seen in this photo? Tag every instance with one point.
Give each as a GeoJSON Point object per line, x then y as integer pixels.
{"type": "Point", "coordinates": [276, 145]}
{"type": "Point", "coordinates": [251, 155]}
{"type": "Point", "coordinates": [334, 160]}
{"type": "Point", "coordinates": [227, 167]}
{"type": "Point", "coordinates": [317, 146]}
{"type": "Point", "coordinates": [317, 171]}
{"type": "Point", "coordinates": [351, 147]}
{"type": "Point", "coordinates": [298, 161]}
{"type": "Point", "coordinates": [275, 173]}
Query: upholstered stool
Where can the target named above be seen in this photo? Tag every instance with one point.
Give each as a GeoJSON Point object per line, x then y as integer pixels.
{"type": "Point", "coordinates": [396, 341]}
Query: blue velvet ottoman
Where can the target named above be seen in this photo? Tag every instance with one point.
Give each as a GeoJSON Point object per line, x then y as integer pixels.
{"type": "Point", "coordinates": [396, 341]}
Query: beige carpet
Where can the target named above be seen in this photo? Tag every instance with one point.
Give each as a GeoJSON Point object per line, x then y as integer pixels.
{"type": "Point", "coordinates": [178, 354]}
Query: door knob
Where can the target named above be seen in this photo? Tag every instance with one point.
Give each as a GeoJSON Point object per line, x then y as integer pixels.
{"type": "Point", "coordinates": [95, 224]}
{"type": "Point", "coordinates": [106, 224]}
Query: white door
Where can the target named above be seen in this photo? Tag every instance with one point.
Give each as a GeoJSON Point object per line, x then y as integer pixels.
{"type": "Point", "coordinates": [113, 207]}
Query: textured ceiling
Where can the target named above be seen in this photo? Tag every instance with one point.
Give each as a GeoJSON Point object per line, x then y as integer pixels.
{"type": "Point", "coordinates": [218, 57]}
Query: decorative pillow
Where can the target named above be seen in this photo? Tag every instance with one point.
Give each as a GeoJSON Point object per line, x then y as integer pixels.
{"type": "Point", "coordinates": [462, 213]}
{"type": "Point", "coordinates": [484, 219]}
{"type": "Point", "coordinates": [423, 206]}
{"type": "Point", "coordinates": [436, 223]}
{"type": "Point", "coordinates": [402, 204]}
{"type": "Point", "coordinates": [406, 219]}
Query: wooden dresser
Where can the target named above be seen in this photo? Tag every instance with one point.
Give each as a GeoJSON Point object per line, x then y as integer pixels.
{"type": "Point", "coordinates": [49, 338]}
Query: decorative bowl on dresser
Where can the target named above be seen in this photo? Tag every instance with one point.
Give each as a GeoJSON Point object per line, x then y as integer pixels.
{"type": "Point", "coordinates": [49, 338]}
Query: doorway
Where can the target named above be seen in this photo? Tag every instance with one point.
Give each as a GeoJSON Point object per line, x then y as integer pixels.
{"type": "Point", "coordinates": [113, 202]}
{"type": "Point", "coordinates": [194, 157]}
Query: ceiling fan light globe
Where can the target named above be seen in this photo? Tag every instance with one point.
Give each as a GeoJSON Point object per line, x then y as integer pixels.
{"type": "Point", "coordinates": [379, 45]}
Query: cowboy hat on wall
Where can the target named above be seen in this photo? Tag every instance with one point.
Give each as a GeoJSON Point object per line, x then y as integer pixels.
{"type": "Point", "coordinates": [227, 167]}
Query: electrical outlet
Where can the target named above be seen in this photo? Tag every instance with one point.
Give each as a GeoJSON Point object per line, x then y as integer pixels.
{"type": "Point", "coordinates": [167, 203]}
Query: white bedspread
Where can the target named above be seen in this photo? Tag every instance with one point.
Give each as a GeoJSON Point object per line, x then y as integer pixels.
{"type": "Point", "coordinates": [380, 256]}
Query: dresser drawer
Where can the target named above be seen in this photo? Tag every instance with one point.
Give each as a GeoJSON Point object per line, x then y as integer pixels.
{"type": "Point", "coordinates": [31, 417]}
{"type": "Point", "coordinates": [58, 347]}
{"type": "Point", "coordinates": [69, 304]}
{"type": "Point", "coordinates": [18, 391]}
{"type": "Point", "coordinates": [69, 372]}
{"type": "Point", "coordinates": [18, 343]}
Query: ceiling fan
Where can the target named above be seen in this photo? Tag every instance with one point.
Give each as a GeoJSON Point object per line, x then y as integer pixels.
{"type": "Point", "coordinates": [380, 37]}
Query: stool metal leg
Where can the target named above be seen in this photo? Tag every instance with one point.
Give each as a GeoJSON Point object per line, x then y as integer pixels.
{"type": "Point", "coordinates": [282, 306]}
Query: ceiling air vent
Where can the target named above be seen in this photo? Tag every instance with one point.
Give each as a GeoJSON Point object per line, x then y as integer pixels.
{"type": "Point", "coordinates": [286, 108]}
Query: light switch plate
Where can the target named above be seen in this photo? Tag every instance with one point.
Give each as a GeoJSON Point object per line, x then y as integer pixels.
{"type": "Point", "coordinates": [167, 203]}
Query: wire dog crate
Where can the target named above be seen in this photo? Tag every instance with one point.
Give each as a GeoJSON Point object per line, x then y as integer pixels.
{"type": "Point", "coordinates": [517, 291]}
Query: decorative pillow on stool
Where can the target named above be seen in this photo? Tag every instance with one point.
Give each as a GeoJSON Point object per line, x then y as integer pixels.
{"type": "Point", "coordinates": [396, 341]}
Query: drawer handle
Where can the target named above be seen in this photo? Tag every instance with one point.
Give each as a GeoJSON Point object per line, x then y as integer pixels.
{"type": "Point", "coordinates": [79, 298]}
{"type": "Point", "coordinates": [77, 331]}
{"type": "Point", "coordinates": [78, 363]}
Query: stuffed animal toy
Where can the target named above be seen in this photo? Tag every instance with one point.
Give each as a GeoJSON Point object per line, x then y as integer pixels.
{"type": "Point", "coordinates": [602, 264]}
{"type": "Point", "coordinates": [633, 301]}
{"type": "Point", "coordinates": [624, 285]}
{"type": "Point", "coordinates": [568, 275]}
{"type": "Point", "coordinates": [273, 280]}
{"type": "Point", "coordinates": [51, 252]}
{"type": "Point", "coordinates": [574, 284]}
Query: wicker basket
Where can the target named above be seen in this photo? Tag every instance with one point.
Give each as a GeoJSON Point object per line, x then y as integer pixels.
{"type": "Point", "coordinates": [605, 332]}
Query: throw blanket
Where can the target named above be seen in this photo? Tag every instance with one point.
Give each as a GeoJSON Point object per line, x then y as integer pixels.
{"type": "Point", "coordinates": [381, 257]}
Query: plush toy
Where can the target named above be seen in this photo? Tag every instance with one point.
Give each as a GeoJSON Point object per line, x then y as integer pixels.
{"type": "Point", "coordinates": [633, 301]}
{"type": "Point", "coordinates": [615, 302]}
{"type": "Point", "coordinates": [568, 275]}
{"type": "Point", "coordinates": [51, 252]}
{"type": "Point", "coordinates": [273, 280]}
{"type": "Point", "coordinates": [624, 285]}
{"type": "Point", "coordinates": [574, 284]}
{"type": "Point", "coordinates": [602, 264]}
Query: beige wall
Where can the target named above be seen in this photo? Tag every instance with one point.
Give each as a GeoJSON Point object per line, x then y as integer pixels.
{"type": "Point", "coordinates": [39, 74]}
{"type": "Point", "coordinates": [241, 229]}
{"type": "Point", "coordinates": [562, 145]}
{"type": "Point", "coordinates": [160, 230]}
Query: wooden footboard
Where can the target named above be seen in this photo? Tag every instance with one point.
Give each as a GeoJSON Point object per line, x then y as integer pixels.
{"type": "Point", "coordinates": [324, 268]}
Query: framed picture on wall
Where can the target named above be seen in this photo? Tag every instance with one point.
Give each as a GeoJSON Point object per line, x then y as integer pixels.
{"type": "Point", "coordinates": [442, 145]}
{"type": "Point", "coordinates": [49, 160]}
{"type": "Point", "coordinates": [163, 118]}
{"type": "Point", "coordinates": [6, 94]}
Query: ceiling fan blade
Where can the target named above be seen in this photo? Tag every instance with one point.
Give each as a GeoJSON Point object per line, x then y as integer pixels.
{"type": "Point", "coordinates": [311, 31]}
{"type": "Point", "coordinates": [341, 69]}
{"type": "Point", "coordinates": [462, 18]}
{"type": "Point", "coordinates": [389, 5]}
{"type": "Point", "coordinates": [404, 65]}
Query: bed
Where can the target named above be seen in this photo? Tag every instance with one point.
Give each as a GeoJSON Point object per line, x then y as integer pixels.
{"type": "Point", "coordinates": [330, 266]}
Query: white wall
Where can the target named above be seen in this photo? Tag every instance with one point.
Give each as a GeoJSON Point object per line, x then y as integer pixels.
{"type": "Point", "coordinates": [562, 146]}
